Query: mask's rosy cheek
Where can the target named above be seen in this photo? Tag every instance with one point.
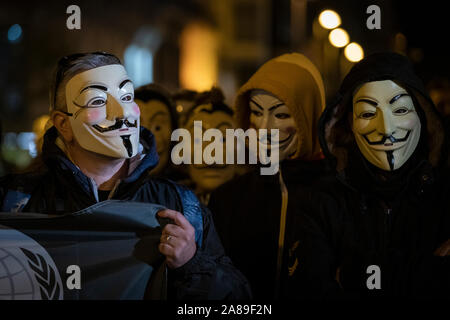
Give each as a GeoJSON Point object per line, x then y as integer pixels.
{"type": "Point", "coordinates": [136, 109]}
{"type": "Point", "coordinates": [94, 116]}
{"type": "Point", "coordinates": [291, 130]}
{"type": "Point", "coordinates": [409, 122]}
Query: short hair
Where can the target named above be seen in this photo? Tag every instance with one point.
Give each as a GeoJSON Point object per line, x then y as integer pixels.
{"type": "Point", "coordinates": [215, 98]}
{"type": "Point", "coordinates": [185, 94]}
{"type": "Point", "coordinates": [71, 65]}
{"type": "Point", "coordinates": [157, 92]}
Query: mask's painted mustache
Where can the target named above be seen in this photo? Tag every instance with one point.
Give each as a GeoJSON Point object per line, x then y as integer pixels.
{"type": "Point", "coordinates": [119, 123]}
{"type": "Point", "coordinates": [212, 166]}
{"type": "Point", "coordinates": [269, 139]}
{"type": "Point", "coordinates": [391, 139]}
{"type": "Point", "coordinates": [390, 159]}
{"type": "Point", "coordinates": [127, 144]}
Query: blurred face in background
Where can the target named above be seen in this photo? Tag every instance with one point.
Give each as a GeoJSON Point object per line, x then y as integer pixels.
{"type": "Point", "coordinates": [155, 116]}
{"type": "Point", "coordinates": [208, 177]}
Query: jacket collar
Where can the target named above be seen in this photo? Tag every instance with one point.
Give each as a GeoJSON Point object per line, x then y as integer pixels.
{"type": "Point", "coordinates": [364, 178]}
{"type": "Point", "coordinates": [55, 158]}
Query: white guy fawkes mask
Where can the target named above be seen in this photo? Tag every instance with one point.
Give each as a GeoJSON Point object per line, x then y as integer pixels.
{"type": "Point", "coordinates": [105, 118]}
{"type": "Point", "coordinates": [385, 124]}
{"type": "Point", "coordinates": [269, 112]}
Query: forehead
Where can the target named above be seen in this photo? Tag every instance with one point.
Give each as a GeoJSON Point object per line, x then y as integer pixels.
{"type": "Point", "coordinates": [152, 107]}
{"type": "Point", "coordinates": [378, 89]}
{"type": "Point", "coordinates": [264, 98]}
{"type": "Point", "coordinates": [210, 119]}
{"type": "Point", "coordinates": [110, 75]}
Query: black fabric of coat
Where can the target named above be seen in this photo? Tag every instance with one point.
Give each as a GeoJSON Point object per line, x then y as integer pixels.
{"type": "Point", "coordinates": [58, 187]}
{"type": "Point", "coordinates": [365, 216]}
{"type": "Point", "coordinates": [247, 212]}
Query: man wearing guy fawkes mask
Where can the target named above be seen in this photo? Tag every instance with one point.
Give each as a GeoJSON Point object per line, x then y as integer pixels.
{"type": "Point", "coordinates": [96, 151]}
{"type": "Point", "coordinates": [253, 212]}
{"type": "Point", "coordinates": [387, 205]}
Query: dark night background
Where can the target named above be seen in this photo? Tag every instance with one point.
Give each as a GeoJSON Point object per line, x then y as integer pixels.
{"type": "Point", "coordinates": [247, 33]}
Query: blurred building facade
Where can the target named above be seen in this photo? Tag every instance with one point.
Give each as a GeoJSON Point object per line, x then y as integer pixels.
{"type": "Point", "coordinates": [189, 44]}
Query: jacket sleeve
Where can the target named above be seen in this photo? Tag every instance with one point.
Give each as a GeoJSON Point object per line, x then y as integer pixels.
{"type": "Point", "coordinates": [316, 274]}
{"type": "Point", "coordinates": [425, 274]}
{"type": "Point", "coordinates": [2, 192]}
{"type": "Point", "coordinates": [210, 274]}
{"type": "Point", "coordinates": [319, 227]}
{"type": "Point", "coordinates": [421, 276]}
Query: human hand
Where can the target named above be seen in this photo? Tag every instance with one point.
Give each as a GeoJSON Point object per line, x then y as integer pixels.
{"type": "Point", "coordinates": [443, 250]}
{"type": "Point", "coordinates": [177, 240]}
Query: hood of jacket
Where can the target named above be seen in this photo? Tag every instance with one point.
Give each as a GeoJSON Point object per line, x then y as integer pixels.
{"type": "Point", "coordinates": [335, 133]}
{"type": "Point", "coordinates": [295, 80]}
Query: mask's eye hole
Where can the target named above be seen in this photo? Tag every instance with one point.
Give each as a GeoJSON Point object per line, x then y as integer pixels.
{"type": "Point", "coordinates": [127, 97]}
{"type": "Point", "coordinates": [256, 113]}
{"type": "Point", "coordinates": [367, 115]}
{"type": "Point", "coordinates": [282, 116]}
{"type": "Point", "coordinates": [96, 102]}
{"type": "Point", "coordinates": [401, 111]}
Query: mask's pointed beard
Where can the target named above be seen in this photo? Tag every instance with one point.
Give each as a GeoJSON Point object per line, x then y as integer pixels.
{"type": "Point", "coordinates": [390, 159]}
{"type": "Point", "coordinates": [127, 144]}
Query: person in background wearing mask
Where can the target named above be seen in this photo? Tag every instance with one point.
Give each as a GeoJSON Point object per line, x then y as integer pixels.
{"type": "Point", "coordinates": [210, 109]}
{"type": "Point", "coordinates": [158, 115]}
{"type": "Point", "coordinates": [380, 227]}
{"type": "Point", "coordinates": [253, 212]}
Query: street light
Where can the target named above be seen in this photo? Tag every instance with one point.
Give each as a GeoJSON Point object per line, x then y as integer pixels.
{"type": "Point", "coordinates": [329, 19]}
{"type": "Point", "coordinates": [339, 38]}
{"type": "Point", "coordinates": [354, 52]}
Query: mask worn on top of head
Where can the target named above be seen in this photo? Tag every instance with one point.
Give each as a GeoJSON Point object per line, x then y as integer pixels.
{"type": "Point", "coordinates": [269, 112]}
{"type": "Point", "coordinates": [385, 124]}
{"type": "Point", "coordinates": [105, 118]}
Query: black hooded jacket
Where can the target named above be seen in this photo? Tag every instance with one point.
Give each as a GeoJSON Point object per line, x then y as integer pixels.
{"type": "Point", "coordinates": [365, 218]}
{"type": "Point", "coordinates": [59, 187]}
{"type": "Point", "coordinates": [246, 212]}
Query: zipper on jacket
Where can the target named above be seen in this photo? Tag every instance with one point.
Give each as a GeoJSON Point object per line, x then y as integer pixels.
{"type": "Point", "coordinates": [284, 204]}
{"type": "Point", "coordinates": [387, 223]}
{"type": "Point", "coordinates": [94, 189]}
{"type": "Point", "coordinates": [114, 189]}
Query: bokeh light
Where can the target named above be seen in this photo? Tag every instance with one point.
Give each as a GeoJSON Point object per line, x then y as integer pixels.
{"type": "Point", "coordinates": [339, 37]}
{"type": "Point", "coordinates": [329, 19]}
{"type": "Point", "coordinates": [198, 57]}
{"type": "Point", "coordinates": [354, 52]}
{"type": "Point", "coordinates": [15, 33]}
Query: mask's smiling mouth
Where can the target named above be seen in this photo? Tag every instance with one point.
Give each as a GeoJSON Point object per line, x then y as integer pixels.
{"type": "Point", "coordinates": [117, 126]}
{"type": "Point", "coordinates": [388, 142]}
{"type": "Point", "coordinates": [268, 142]}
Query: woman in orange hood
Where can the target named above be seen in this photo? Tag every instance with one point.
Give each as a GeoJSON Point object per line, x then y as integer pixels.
{"type": "Point", "coordinates": [252, 212]}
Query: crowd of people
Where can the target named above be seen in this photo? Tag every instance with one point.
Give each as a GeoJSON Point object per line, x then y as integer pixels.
{"type": "Point", "coordinates": [362, 179]}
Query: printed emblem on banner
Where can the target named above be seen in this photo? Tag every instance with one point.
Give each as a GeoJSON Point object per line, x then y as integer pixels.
{"type": "Point", "coordinates": [27, 272]}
